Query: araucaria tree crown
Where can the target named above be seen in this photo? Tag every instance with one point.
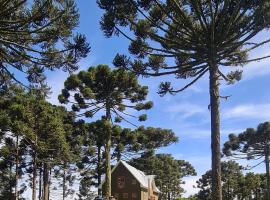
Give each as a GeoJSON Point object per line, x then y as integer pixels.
{"type": "Point", "coordinates": [102, 89]}
{"type": "Point", "coordinates": [38, 35]}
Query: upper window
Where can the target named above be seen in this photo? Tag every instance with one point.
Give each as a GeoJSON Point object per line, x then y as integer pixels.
{"type": "Point", "coordinates": [125, 195]}
{"type": "Point", "coordinates": [121, 182]}
{"type": "Point", "coordinates": [133, 181]}
{"type": "Point", "coordinates": [134, 195]}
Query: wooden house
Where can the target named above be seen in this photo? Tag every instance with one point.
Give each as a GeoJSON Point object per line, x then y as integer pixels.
{"type": "Point", "coordinates": [129, 183]}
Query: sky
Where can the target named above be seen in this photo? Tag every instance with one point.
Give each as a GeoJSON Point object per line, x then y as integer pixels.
{"type": "Point", "coordinates": [186, 113]}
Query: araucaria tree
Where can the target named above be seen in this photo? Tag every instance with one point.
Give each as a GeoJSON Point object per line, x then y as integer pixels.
{"type": "Point", "coordinates": [101, 89]}
{"type": "Point", "coordinates": [251, 144]}
{"type": "Point", "coordinates": [203, 36]}
{"type": "Point", "coordinates": [38, 35]}
{"type": "Point", "coordinates": [232, 181]}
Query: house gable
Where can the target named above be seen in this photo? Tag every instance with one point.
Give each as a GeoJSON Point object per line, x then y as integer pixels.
{"type": "Point", "coordinates": [124, 185]}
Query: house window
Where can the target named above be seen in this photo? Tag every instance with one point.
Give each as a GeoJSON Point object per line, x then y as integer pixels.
{"type": "Point", "coordinates": [133, 181]}
{"type": "Point", "coordinates": [134, 195]}
{"type": "Point", "coordinates": [125, 195]}
{"type": "Point", "coordinates": [121, 182]}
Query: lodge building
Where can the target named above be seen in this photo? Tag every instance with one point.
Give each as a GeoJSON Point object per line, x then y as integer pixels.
{"type": "Point", "coordinates": [129, 183]}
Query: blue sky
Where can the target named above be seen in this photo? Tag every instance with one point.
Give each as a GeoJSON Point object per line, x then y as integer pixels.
{"type": "Point", "coordinates": [185, 113]}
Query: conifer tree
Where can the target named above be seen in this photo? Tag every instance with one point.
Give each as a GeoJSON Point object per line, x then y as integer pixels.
{"type": "Point", "coordinates": [38, 35]}
{"type": "Point", "coordinates": [251, 144]}
{"type": "Point", "coordinates": [100, 89]}
{"type": "Point", "coordinates": [252, 187]}
{"type": "Point", "coordinates": [91, 165]}
{"type": "Point", "coordinates": [41, 128]}
{"type": "Point", "coordinates": [13, 148]}
{"type": "Point", "coordinates": [232, 179]}
{"type": "Point", "coordinates": [188, 39]}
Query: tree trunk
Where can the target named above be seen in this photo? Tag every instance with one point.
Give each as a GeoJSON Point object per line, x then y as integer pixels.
{"type": "Point", "coordinates": [11, 180]}
{"type": "Point", "coordinates": [17, 168]}
{"type": "Point", "coordinates": [45, 181]}
{"type": "Point", "coordinates": [99, 170]}
{"type": "Point", "coordinates": [64, 182]}
{"type": "Point", "coordinates": [118, 155]}
{"type": "Point", "coordinates": [215, 132]}
{"type": "Point", "coordinates": [267, 173]}
{"type": "Point", "coordinates": [34, 175]}
{"type": "Point", "coordinates": [40, 184]}
{"type": "Point", "coordinates": [108, 157]}
{"type": "Point", "coordinates": [49, 182]}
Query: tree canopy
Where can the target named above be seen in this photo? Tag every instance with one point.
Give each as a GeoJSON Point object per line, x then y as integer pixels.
{"type": "Point", "coordinates": [252, 144]}
{"type": "Point", "coordinates": [235, 184]}
{"type": "Point", "coordinates": [38, 35]}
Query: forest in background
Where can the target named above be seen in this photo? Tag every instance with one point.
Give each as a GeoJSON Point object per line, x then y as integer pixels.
{"type": "Point", "coordinates": [48, 150]}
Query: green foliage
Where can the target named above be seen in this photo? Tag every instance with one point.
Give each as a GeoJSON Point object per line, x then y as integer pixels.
{"type": "Point", "coordinates": [45, 132]}
{"type": "Point", "coordinates": [191, 32]}
{"type": "Point", "coordinates": [252, 187]}
{"type": "Point", "coordinates": [231, 177]}
{"type": "Point", "coordinates": [100, 87]}
{"type": "Point", "coordinates": [38, 35]}
{"type": "Point", "coordinates": [235, 185]}
{"type": "Point", "coordinates": [129, 143]}
{"type": "Point", "coordinates": [251, 144]}
{"type": "Point", "coordinates": [169, 172]}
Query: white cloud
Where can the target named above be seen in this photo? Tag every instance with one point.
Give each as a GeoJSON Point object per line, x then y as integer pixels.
{"type": "Point", "coordinates": [251, 111]}
{"type": "Point", "coordinates": [199, 134]}
{"type": "Point", "coordinates": [185, 110]}
{"type": "Point", "coordinates": [260, 68]}
{"type": "Point", "coordinates": [190, 186]}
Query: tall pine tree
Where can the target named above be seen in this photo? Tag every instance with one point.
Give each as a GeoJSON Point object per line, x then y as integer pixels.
{"type": "Point", "coordinates": [100, 89]}
{"type": "Point", "coordinates": [188, 39]}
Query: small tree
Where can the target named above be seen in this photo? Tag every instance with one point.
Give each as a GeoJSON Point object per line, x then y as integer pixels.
{"type": "Point", "coordinates": [108, 91]}
{"type": "Point", "coordinates": [252, 144]}
{"type": "Point", "coordinates": [252, 187]}
{"type": "Point", "coordinates": [12, 151]}
{"type": "Point", "coordinates": [199, 36]}
{"type": "Point", "coordinates": [38, 35]}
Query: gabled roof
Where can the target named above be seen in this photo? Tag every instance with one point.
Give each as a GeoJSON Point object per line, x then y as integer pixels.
{"type": "Point", "coordinates": [139, 176]}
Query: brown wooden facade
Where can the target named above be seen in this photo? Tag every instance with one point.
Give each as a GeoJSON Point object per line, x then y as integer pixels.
{"type": "Point", "coordinates": [125, 186]}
